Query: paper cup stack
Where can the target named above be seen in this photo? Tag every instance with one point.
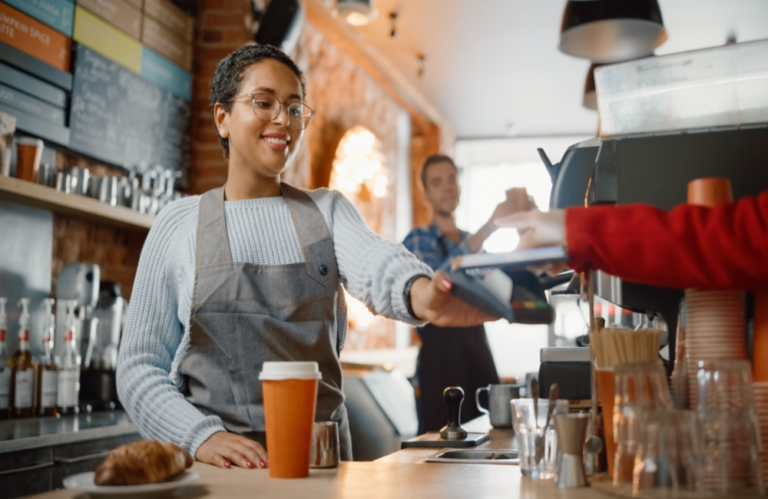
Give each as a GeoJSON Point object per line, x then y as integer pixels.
{"type": "Point", "coordinates": [715, 330]}
{"type": "Point", "coordinates": [761, 408]}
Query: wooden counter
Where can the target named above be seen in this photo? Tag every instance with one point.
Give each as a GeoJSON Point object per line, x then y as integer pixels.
{"type": "Point", "coordinates": [401, 475]}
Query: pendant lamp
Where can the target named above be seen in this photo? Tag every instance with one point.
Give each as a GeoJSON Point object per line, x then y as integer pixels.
{"type": "Point", "coordinates": [355, 12]}
{"type": "Point", "coordinates": [605, 31]}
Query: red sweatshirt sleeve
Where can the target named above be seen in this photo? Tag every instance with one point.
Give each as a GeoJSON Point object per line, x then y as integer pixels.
{"type": "Point", "coordinates": [725, 247]}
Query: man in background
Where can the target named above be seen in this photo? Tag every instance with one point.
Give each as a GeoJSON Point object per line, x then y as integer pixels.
{"type": "Point", "coordinates": [451, 356]}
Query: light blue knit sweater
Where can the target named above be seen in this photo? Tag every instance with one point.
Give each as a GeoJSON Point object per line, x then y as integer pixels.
{"type": "Point", "coordinates": [260, 232]}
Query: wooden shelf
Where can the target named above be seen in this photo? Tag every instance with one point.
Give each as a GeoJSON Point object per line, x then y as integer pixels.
{"type": "Point", "coordinates": [40, 196]}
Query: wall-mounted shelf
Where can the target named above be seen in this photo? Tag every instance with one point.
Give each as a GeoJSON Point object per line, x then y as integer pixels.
{"type": "Point", "coordinates": [31, 194]}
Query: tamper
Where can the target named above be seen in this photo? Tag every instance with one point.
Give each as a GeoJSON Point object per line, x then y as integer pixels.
{"type": "Point", "coordinates": [571, 430]}
{"type": "Point", "coordinates": [453, 396]}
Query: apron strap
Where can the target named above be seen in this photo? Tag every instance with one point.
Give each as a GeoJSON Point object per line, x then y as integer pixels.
{"type": "Point", "coordinates": [314, 235]}
{"type": "Point", "coordinates": [212, 243]}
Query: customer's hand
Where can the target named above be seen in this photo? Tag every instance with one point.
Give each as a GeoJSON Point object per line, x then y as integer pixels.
{"type": "Point", "coordinates": [537, 228]}
{"type": "Point", "coordinates": [223, 449]}
{"type": "Point", "coordinates": [511, 206]}
{"type": "Point", "coordinates": [432, 301]}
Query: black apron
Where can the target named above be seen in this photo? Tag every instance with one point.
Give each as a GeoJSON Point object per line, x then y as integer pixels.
{"type": "Point", "coordinates": [452, 356]}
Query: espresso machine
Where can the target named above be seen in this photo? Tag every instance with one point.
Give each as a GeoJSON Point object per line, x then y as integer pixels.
{"type": "Point", "coordinates": [665, 121]}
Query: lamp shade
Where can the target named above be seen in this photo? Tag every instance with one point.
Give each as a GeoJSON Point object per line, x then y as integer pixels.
{"type": "Point", "coordinates": [281, 25]}
{"type": "Point", "coordinates": [605, 31]}
{"type": "Point", "coordinates": [355, 12]}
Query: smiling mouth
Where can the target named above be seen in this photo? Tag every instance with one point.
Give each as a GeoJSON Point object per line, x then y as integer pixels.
{"type": "Point", "coordinates": [273, 140]}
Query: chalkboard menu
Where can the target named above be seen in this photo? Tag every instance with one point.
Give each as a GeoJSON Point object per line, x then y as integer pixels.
{"type": "Point", "coordinates": [120, 118]}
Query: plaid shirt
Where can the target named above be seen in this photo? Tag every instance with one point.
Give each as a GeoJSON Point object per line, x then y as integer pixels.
{"type": "Point", "coordinates": [430, 245]}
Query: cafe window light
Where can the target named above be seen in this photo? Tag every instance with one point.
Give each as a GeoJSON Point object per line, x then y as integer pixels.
{"type": "Point", "coordinates": [358, 168]}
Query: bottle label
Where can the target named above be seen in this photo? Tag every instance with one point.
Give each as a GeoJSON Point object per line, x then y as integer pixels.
{"type": "Point", "coordinates": [2, 335]}
{"type": "Point", "coordinates": [48, 387]}
{"type": "Point", "coordinates": [23, 335]}
{"type": "Point", "coordinates": [5, 387]}
{"type": "Point", "coordinates": [22, 398]}
{"type": "Point", "coordinates": [68, 387]}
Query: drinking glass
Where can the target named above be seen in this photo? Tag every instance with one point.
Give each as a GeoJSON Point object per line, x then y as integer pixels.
{"type": "Point", "coordinates": [528, 424]}
{"type": "Point", "coordinates": [639, 388]}
{"type": "Point", "coordinates": [668, 456]}
{"type": "Point", "coordinates": [730, 433]}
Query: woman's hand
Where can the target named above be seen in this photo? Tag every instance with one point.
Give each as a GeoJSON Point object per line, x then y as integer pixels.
{"type": "Point", "coordinates": [223, 449]}
{"type": "Point", "coordinates": [432, 301]}
{"type": "Point", "coordinates": [537, 228]}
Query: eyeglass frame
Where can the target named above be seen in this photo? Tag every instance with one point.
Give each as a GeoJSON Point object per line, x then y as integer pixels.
{"type": "Point", "coordinates": [279, 108]}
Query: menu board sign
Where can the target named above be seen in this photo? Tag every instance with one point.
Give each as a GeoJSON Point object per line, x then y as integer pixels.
{"type": "Point", "coordinates": [34, 38]}
{"type": "Point", "coordinates": [120, 118]}
{"type": "Point", "coordinates": [55, 13]}
{"type": "Point", "coordinates": [107, 40]}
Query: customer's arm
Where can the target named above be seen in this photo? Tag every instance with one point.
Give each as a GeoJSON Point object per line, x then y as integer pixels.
{"type": "Point", "coordinates": [725, 247]}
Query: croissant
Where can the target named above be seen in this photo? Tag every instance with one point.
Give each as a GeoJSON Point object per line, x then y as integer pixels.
{"type": "Point", "coordinates": [142, 462]}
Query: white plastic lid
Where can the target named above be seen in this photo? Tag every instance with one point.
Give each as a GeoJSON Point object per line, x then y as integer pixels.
{"type": "Point", "coordinates": [29, 141]}
{"type": "Point", "coordinates": [276, 371]}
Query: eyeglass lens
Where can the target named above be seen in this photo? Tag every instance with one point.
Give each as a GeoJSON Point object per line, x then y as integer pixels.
{"type": "Point", "coordinates": [267, 107]}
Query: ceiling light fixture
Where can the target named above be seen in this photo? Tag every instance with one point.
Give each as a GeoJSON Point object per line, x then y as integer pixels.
{"type": "Point", "coordinates": [355, 12]}
{"type": "Point", "coordinates": [605, 31]}
{"type": "Point", "coordinates": [393, 18]}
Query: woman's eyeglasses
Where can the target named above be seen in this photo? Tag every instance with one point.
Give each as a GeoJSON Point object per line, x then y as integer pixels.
{"type": "Point", "coordinates": [267, 107]}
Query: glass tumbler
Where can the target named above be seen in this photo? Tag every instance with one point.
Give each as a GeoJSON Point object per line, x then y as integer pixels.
{"type": "Point", "coordinates": [730, 434]}
{"type": "Point", "coordinates": [638, 388]}
{"type": "Point", "coordinates": [668, 454]}
{"type": "Point", "coordinates": [528, 424]}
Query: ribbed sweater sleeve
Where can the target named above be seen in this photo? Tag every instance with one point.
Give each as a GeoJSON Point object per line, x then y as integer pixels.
{"type": "Point", "coordinates": [151, 339]}
{"type": "Point", "coordinates": [372, 269]}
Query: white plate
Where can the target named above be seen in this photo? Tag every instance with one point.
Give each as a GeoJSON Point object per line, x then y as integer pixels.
{"type": "Point", "coordinates": [84, 482]}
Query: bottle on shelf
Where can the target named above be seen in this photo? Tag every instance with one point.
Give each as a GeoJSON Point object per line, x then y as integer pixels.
{"type": "Point", "coordinates": [23, 369]}
{"type": "Point", "coordinates": [68, 389]}
{"type": "Point", "coordinates": [5, 366]}
{"type": "Point", "coordinates": [46, 376]}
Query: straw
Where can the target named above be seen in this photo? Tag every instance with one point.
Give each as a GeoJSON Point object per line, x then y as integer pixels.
{"type": "Point", "coordinates": [614, 347]}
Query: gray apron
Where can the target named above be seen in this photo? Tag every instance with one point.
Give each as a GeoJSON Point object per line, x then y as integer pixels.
{"type": "Point", "coordinates": [243, 315]}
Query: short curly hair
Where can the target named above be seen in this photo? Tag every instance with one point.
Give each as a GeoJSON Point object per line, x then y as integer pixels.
{"type": "Point", "coordinates": [231, 71]}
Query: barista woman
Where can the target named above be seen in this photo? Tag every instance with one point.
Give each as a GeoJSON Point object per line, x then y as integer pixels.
{"type": "Point", "coordinates": [252, 272]}
{"type": "Point", "coordinates": [725, 247]}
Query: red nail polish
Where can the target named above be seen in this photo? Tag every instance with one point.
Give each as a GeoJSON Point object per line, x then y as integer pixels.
{"type": "Point", "coordinates": [248, 464]}
{"type": "Point", "coordinates": [447, 284]}
{"type": "Point", "coordinates": [262, 463]}
{"type": "Point", "coordinates": [226, 464]}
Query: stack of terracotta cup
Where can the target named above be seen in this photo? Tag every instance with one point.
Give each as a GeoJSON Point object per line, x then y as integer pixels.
{"type": "Point", "coordinates": [715, 330]}
{"type": "Point", "coordinates": [715, 320]}
{"type": "Point", "coordinates": [760, 371]}
{"type": "Point", "coordinates": [761, 408]}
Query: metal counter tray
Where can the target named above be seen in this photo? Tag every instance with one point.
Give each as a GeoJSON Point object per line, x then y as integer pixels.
{"type": "Point", "coordinates": [502, 456]}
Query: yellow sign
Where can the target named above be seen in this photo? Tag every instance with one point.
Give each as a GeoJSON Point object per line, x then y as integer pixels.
{"type": "Point", "coordinates": [107, 40]}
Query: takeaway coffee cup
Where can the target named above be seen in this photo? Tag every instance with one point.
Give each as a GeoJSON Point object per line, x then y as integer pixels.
{"type": "Point", "coordinates": [29, 151]}
{"type": "Point", "coordinates": [499, 410]}
{"type": "Point", "coordinates": [290, 396]}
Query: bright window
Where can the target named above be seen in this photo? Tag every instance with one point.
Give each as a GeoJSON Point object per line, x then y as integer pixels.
{"type": "Point", "coordinates": [489, 168]}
